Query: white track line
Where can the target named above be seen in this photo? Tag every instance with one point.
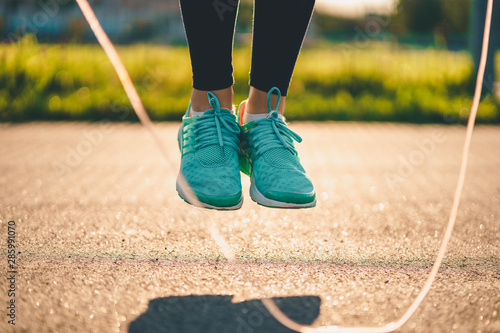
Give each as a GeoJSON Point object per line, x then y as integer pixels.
{"type": "Point", "coordinates": [139, 109]}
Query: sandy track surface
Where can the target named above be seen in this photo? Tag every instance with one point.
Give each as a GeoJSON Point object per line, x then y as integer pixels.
{"type": "Point", "coordinates": [104, 244]}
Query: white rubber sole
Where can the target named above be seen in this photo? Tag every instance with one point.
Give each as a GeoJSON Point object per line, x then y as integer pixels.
{"type": "Point", "coordinates": [262, 200]}
{"type": "Point", "coordinates": [202, 204]}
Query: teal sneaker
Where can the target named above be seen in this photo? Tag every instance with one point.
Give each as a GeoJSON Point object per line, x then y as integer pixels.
{"type": "Point", "coordinates": [268, 156]}
{"type": "Point", "coordinates": [209, 163]}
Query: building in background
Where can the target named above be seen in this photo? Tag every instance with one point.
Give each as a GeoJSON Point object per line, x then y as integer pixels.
{"type": "Point", "coordinates": [62, 21]}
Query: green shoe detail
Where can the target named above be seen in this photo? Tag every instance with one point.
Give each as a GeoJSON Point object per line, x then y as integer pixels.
{"type": "Point", "coordinates": [209, 162]}
{"type": "Point", "coordinates": [268, 156]}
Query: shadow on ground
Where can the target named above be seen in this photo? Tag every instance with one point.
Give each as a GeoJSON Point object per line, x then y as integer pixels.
{"type": "Point", "coordinates": [213, 313]}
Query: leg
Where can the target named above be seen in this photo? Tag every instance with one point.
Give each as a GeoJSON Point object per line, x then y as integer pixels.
{"type": "Point", "coordinates": [209, 174]}
{"type": "Point", "coordinates": [277, 178]}
{"type": "Point", "coordinates": [209, 27]}
{"type": "Point", "coordinates": [278, 32]}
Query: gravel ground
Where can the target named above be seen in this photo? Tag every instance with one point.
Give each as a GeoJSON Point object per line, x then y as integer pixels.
{"type": "Point", "coordinates": [104, 244]}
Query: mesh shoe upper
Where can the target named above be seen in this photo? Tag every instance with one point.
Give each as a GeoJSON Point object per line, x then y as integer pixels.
{"type": "Point", "coordinates": [209, 146]}
{"type": "Point", "coordinates": [269, 156]}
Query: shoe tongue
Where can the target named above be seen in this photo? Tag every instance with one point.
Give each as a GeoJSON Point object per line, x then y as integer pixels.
{"type": "Point", "coordinates": [193, 113]}
{"type": "Point", "coordinates": [221, 111]}
{"type": "Point", "coordinates": [213, 155]}
{"type": "Point", "coordinates": [249, 117]}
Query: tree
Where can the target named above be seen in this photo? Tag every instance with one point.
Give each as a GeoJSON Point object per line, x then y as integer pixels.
{"type": "Point", "coordinates": [418, 15]}
{"type": "Point", "coordinates": [423, 16]}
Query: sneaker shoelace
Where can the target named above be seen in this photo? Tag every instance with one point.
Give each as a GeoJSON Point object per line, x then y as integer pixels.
{"type": "Point", "coordinates": [272, 132]}
{"type": "Point", "coordinates": [224, 133]}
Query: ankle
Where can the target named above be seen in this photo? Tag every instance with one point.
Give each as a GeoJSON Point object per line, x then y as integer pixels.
{"type": "Point", "coordinates": [199, 99]}
{"type": "Point", "coordinates": [257, 102]}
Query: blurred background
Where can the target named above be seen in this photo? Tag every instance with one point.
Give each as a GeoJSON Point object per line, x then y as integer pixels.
{"type": "Point", "coordinates": [364, 60]}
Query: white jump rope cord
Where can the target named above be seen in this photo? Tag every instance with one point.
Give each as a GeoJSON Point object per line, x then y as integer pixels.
{"type": "Point", "coordinates": [139, 109]}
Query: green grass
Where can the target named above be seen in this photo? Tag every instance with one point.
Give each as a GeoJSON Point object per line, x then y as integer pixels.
{"type": "Point", "coordinates": [383, 83]}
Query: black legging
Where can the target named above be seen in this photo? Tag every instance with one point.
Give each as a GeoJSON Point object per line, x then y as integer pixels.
{"type": "Point", "coordinates": [278, 31]}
